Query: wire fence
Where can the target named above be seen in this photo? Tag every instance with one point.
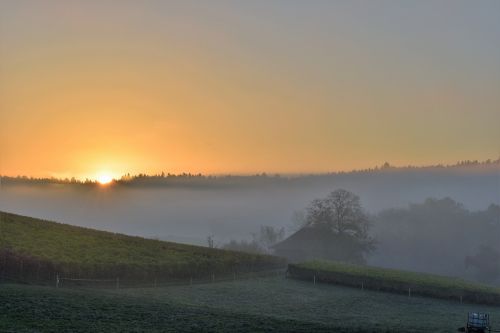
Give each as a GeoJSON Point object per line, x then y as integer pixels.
{"type": "Point", "coordinates": [159, 282]}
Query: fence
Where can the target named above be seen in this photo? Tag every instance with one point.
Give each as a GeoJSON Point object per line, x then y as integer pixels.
{"type": "Point", "coordinates": [25, 269]}
{"type": "Point", "coordinates": [389, 285]}
{"type": "Point", "coordinates": [117, 282]}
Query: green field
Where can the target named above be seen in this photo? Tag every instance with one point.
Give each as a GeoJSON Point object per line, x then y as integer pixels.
{"type": "Point", "coordinates": [35, 251]}
{"type": "Point", "coordinates": [395, 281]}
{"type": "Point", "coordinates": [258, 305]}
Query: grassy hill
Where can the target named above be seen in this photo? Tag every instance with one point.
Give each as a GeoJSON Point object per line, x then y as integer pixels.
{"type": "Point", "coordinates": [397, 281]}
{"type": "Point", "coordinates": [34, 250]}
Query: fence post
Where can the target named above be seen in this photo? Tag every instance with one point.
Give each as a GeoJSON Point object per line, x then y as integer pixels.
{"type": "Point", "coordinates": [314, 279]}
{"type": "Point", "coordinates": [362, 286]}
{"type": "Point", "coordinates": [234, 275]}
{"type": "Point", "coordinates": [57, 280]}
{"type": "Point", "coordinates": [4, 265]}
{"type": "Point", "coordinates": [409, 292]}
{"type": "Point", "coordinates": [38, 271]}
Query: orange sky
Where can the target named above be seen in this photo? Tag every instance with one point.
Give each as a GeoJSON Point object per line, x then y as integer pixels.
{"type": "Point", "coordinates": [107, 86]}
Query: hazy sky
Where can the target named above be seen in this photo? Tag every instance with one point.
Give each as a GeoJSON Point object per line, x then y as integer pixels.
{"type": "Point", "coordinates": [245, 86]}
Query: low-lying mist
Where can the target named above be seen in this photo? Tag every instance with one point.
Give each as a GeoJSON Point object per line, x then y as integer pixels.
{"type": "Point", "coordinates": [189, 214]}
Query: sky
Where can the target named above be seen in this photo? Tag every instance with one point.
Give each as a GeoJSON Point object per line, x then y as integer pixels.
{"type": "Point", "coordinates": [92, 87]}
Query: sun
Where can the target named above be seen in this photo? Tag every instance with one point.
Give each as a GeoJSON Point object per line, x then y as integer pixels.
{"type": "Point", "coordinates": [104, 178]}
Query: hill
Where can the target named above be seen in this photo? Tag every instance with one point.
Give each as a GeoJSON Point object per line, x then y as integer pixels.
{"type": "Point", "coordinates": [33, 250]}
{"type": "Point", "coordinates": [396, 281]}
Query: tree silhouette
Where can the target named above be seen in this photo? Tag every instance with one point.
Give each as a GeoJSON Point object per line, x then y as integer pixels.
{"type": "Point", "coordinates": [341, 212]}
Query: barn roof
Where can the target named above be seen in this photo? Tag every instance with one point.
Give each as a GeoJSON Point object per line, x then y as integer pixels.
{"type": "Point", "coordinates": [306, 236]}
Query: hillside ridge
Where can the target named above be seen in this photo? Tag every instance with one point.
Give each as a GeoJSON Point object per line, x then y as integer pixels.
{"type": "Point", "coordinates": [36, 250]}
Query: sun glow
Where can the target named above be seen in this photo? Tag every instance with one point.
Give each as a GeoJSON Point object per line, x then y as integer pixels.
{"type": "Point", "coordinates": [104, 178]}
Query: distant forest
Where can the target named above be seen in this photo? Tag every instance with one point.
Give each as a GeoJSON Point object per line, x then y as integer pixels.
{"type": "Point", "coordinates": [200, 180]}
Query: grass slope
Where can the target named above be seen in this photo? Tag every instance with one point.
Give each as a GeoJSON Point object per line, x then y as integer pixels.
{"type": "Point", "coordinates": [33, 249]}
{"type": "Point", "coordinates": [395, 281]}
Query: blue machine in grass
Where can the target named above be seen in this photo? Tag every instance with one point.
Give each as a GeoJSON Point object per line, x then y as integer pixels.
{"type": "Point", "coordinates": [477, 322]}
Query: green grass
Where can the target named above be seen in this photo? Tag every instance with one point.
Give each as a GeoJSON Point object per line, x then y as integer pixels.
{"type": "Point", "coordinates": [259, 305]}
{"type": "Point", "coordinates": [32, 248]}
{"type": "Point", "coordinates": [45, 309]}
{"type": "Point", "coordinates": [396, 281]}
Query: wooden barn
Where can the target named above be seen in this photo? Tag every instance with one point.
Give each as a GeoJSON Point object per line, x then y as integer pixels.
{"type": "Point", "coordinates": [317, 242]}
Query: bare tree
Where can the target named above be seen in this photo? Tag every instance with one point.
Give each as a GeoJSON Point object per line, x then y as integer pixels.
{"type": "Point", "coordinates": [244, 246]}
{"type": "Point", "coordinates": [261, 242]}
{"type": "Point", "coordinates": [210, 241]}
{"type": "Point", "coordinates": [340, 211]}
{"type": "Point", "coordinates": [299, 220]}
{"type": "Point", "coordinates": [268, 236]}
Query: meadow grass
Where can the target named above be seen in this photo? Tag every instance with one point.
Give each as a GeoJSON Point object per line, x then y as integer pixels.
{"type": "Point", "coordinates": [35, 249]}
{"type": "Point", "coordinates": [395, 281]}
{"type": "Point", "coordinates": [257, 305]}
{"type": "Point", "coordinates": [45, 309]}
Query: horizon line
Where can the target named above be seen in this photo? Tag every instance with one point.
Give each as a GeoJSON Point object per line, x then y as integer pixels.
{"type": "Point", "coordinates": [163, 174]}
